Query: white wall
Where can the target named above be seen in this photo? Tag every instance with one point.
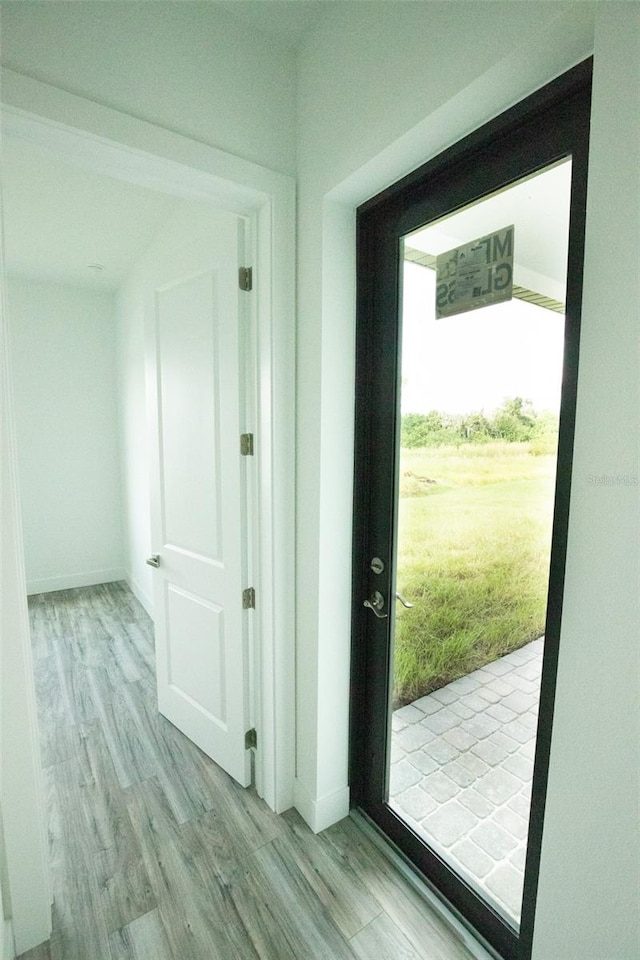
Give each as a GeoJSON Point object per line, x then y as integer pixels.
{"type": "Point", "coordinates": [590, 869]}
{"type": "Point", "coordinates": [24, 874]}
{"type": "Point", "coordinates": [189, 67]}
{"type": "Point", "coordinates": [63, 352]}
{"type": "Point", "coordinates": [360, 128]}
{"type": "Point", "coordinates": [446, 69]}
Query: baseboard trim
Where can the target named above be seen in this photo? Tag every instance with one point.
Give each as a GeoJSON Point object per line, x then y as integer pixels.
{"type": "Point", "coordinates": [323, 812]}
{"type": "Point", "coordinates": [71, 580]}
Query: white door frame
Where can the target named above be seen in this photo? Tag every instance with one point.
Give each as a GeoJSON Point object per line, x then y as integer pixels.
{"type": "Point", "coordinates": [124, 147]}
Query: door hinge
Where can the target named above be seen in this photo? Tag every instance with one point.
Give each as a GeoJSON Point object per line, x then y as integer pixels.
{"type": "Point", "coordinates": [245, 278]}
{"type": "Point", "coordinates": [251, 739]}
{"type": "Point", "coordinates": [246, 444]}
{"type": "Point", "coordinates": [249, 599]}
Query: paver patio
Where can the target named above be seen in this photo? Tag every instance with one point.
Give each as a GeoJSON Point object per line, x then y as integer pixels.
{"type": "Point", "coordinates": [461, 770]}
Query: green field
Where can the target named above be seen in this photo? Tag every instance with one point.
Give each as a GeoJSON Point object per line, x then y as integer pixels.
{"type": "Point", "coordinates": [475, 535]}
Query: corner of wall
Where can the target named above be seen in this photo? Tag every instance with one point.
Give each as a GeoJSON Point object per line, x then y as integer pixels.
{"type": "Point", "coordinates": [321, 812]}
{"type": "Point", "coordinates": [141, 596]}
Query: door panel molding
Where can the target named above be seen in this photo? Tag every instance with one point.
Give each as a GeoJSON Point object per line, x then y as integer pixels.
{"type": "Point", "coordinates": [195, 364]}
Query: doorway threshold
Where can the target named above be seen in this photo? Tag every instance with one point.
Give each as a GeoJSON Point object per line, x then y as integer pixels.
{"type": "Point", "coordinates": [477, 946]}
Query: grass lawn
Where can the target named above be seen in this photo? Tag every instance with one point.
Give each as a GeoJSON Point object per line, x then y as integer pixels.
{"type": "Point", "coordinates": [475, 535]}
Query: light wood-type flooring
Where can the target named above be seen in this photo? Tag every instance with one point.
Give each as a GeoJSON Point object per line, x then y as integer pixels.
{"type": "Point", "coordinates": [156, 854]}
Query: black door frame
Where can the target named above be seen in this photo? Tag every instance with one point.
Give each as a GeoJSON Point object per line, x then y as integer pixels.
{"type": "Point", "coordinates": [550, 125]}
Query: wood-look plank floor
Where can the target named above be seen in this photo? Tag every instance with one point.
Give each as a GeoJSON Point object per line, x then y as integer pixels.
{"type": "Point", "coordinates": [156, 854]}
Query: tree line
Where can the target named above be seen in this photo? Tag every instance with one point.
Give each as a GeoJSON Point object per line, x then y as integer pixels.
{"type": "Point", "coordinates": [514, 421]}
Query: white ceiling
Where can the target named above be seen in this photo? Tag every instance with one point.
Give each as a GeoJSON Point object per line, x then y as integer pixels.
{"type": "Point", "coordinates": [59, 219]}
{"type": "Point", "coordinates": [287, 20]}
{"type": "Point", "coordinates": [284, 20]}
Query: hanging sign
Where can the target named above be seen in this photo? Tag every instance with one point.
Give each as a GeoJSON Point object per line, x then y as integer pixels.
{"type": "Point", "coordinates": [475, 275]}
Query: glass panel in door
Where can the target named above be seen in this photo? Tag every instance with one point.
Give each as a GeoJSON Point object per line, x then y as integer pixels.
{"type": "Point", "coordinates": [481, 381]}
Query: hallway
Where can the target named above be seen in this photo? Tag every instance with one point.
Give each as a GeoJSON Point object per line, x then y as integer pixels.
{"type": "Point", "coordinates": [157, 853]}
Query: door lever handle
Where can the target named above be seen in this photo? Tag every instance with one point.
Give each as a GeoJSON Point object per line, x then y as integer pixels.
{"type": "Point", "coordinates": [153, 561]}
{"type": "Point", "coordinates": [376, 603]}
{"type": "Point", "coordinates": [405, 603]}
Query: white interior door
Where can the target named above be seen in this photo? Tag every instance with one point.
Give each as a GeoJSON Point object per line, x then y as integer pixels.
{"type": "Point", "coordinates": [198, 491]}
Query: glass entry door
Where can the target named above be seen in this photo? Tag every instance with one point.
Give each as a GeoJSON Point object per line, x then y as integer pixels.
{"type": "Point", "coordinates": [469, 296]}
{"type": "Point", "coordinates": [479, 411]}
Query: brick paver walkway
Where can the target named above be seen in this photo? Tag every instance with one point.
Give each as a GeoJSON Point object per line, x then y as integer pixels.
{"type": "Point", "coordinates": [461, 769]}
